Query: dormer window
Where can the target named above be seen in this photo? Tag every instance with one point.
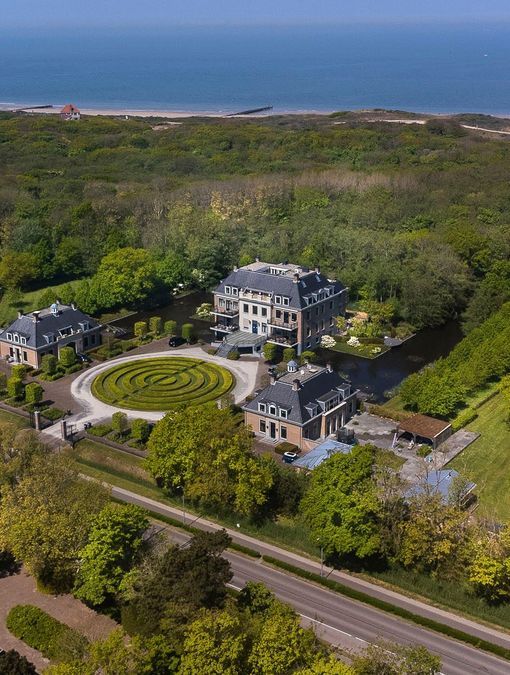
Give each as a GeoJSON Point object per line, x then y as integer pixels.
{"type": "Point", "coordinates": [49, 337]}
{"type": "Point", "coordinates": [227, 290]}
{"type": "Point", "coordinates": [278, 299]}
{"type": "Point", "coordinates": [23, 341]}
{"type": "Point", "coordinates": [262, 407]}
{"type": "Point", "coordinates": [286, 302]}
{"type": "Point", "coordinates": [235, 290]}
{"type": "Point", "coordinates": [16, 337]}
{"type": "Point", "coordinates": [272, 410]}
{"type": "Point", "coordinates": [283, 413]}
{"type": "Point", "coordinates": [9, 336]}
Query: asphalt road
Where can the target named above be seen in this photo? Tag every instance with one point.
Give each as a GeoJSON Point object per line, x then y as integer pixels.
{"type": "Point", "coordinates": [342, 621]}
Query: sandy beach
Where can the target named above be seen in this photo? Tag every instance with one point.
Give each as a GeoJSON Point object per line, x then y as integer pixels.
{"type": "Point", "coordinates": [164, 114]}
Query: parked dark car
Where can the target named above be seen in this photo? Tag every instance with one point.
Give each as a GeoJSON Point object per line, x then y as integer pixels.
{"type": "Point", "coordinates": [176, 341]}
{"type": "Point", "coordinates": [83, 358]}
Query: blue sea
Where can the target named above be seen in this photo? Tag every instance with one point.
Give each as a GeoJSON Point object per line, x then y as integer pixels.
{"type": "Point", "coordinates": [427, 68]}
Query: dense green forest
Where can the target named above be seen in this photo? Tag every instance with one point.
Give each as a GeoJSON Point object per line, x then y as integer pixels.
{"type": "Point", "coordinates": [419, 215]}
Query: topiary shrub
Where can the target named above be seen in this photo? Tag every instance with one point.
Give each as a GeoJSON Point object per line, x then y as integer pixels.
{"type": "Point", "coordinates": [155, 325]}
{"type": "Point", "coordinates": [34, 393]}
{"type": "Point", "coordinates": [19, 371]}
{"type": "Point", "coordinates": [49, 364]}
{"type": "Point", "coordinates": [140, 329]}
{"type": "Point", "coordinates": [14, 388]}
{"type": "Point", "coordinates": [140, 430]}
{"type": "Point", "coordinates": [187, 331]}
{"type": "Point", "coordinates": [309, 356]}
{"type": "Point", "coordinates": [67, 357]}
{"type": "Point", "coordinates": [289, 353]}
{"type": "Point", "coordinates": [270, 351]}
{"type": "Point", "coordinates": [119, 423]}
{"type": "Point", "coordinates": [39, 630]}
{"type": "Point", "coordinates": [170, 327]}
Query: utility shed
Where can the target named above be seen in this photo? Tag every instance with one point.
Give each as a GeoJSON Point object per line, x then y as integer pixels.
{"type": "Point", "coordinates": [424, 428]}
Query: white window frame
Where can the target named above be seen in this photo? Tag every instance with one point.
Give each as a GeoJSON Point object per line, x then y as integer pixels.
{"type": "Point", "coordinates": [272, 410]}
{"type": "Point", "coordinates": [285, 302]}
{"type": "Point", "coordinates": [277, 299]}
{"type": "Point", "coordinates": [9, 336]}
{"type": "Point", "coordinates": [262, 423]}
{"type": "Point", "coordinates": [262, 407]}
{"type": "Point", "coordinates": [235, 291]}
{"type": "Point", "coordinates": [23, 340]}
{"type": "Point", "coordinates": [283, 432]}
{"type": "Point", "coordinates": [16, 338]}
{"type": "Point", "coordinates": [283, 413]}
{"type": "Point", "coordinates": [227, 290]}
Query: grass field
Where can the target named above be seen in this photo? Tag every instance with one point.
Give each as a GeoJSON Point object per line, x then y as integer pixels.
{"type": "Point", "coordinates": [487, 460]}
{"type": "Point", "coordinates": [162, 383]}
{"type": "Point", "coordinates": [12, 418]}
{"type": "Point", "coordinates": [10, 303]}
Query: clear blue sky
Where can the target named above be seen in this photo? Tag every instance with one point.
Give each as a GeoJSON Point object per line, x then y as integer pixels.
{"type": "Point", "coordinates": [46, 13]}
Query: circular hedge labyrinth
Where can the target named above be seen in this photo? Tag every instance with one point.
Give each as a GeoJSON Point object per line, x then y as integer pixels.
{"type": "Point", "coordinates": [160, 383]}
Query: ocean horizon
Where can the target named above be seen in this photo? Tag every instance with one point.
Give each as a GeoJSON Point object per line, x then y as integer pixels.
{"type": "Point", "coordinates": [431, 68]}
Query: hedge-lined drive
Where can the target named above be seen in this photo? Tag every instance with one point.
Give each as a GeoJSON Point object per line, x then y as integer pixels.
{"type": "Point", "coordinates": [160, 383]}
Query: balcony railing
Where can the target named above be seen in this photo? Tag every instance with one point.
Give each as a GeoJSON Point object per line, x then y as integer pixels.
{"type": "Point", "coordinates": [282, 341]}
{"type": "Point", "coordinates": [285, 325]}
{"type": "Point", "coordinates": [223, 311]}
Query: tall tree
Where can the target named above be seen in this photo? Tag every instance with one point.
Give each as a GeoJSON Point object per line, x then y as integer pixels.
{"type": "Point", "coordinates": [210, 455]}
{"type": "Point", "coordinates": [341, 505]}
{"type": "Point", "coordinates": [45, 519]}
{"type": "Point", "coordinates": [174, 585]}
{"type": "Point", "coordinates": [113, 546]}
{"type": "Point", "coordinates": [215, 644]}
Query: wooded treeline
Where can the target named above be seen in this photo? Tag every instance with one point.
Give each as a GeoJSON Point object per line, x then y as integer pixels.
{"type": "Point", "coordinates": [419, 215]}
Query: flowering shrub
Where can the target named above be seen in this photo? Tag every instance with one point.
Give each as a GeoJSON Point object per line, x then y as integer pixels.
{"type": "Point", "coordinates": [328, 342]}
{"type": "Point", "coordinates": [204, 311]}
{"type": "Point", "coordinates": [353, 342]}
{"type": "Point", "coordinates": [376, 350]}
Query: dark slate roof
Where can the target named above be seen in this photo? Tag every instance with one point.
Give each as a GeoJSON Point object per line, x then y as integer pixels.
{"type": "Point", "coordinates": [280, 284]}
{"type": "Point", "coordinates": [47, 322]}
{"type": "Point", "coordinates": [313, 384]}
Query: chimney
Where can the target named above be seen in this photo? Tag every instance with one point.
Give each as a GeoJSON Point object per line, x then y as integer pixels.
{"type": "Point", "coordinates": [317, 269]}
{"type": "Point", "coordinates": [329, 367]}
{"type": "Point", "coordinates": [295, 385]}
{"type": "Point", "coordinates": [73, 306]}
{"type": "Point", "coordinates": [36, 316]}
{"type": "Point", "coordinates": [296, 278]}
{"type": "Point", "coordinates": [20, 313]}
{"type": "Point", "coordinates": [272, 378]}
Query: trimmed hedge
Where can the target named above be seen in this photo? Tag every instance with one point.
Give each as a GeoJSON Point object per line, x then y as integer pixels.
{"type": "Point", "coordinates": [464, 418]}
{"type": "Point", "coordinates": [55, 640]}
{"type": "Point", "coordinates": [161, 383]}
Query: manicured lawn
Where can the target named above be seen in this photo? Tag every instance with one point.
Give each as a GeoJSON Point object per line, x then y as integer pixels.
{"type": "Point", "coordinates": [487, 460]}
{"type": "Point", "coordinates": [365, 351]}
{"type": "Point", "coordinates": [162, 383]}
